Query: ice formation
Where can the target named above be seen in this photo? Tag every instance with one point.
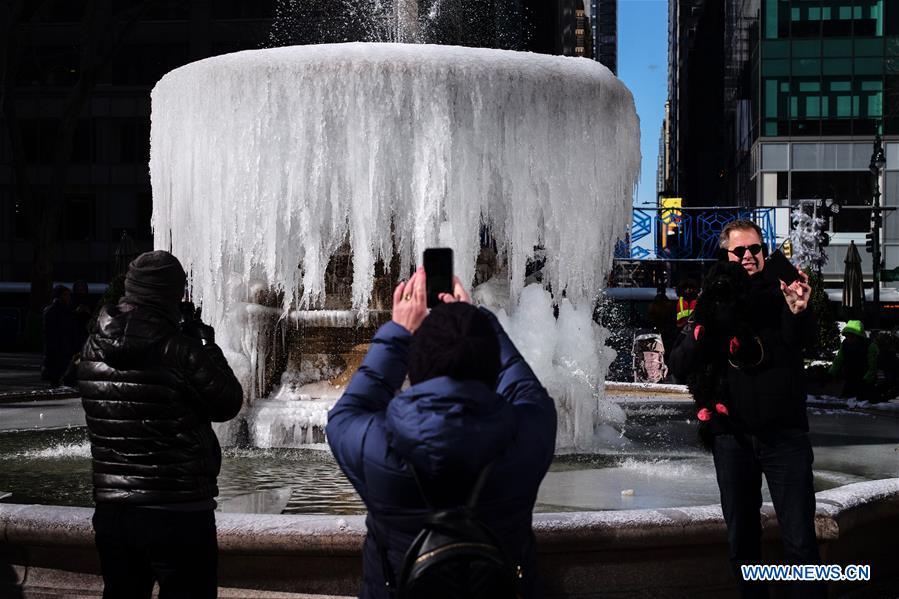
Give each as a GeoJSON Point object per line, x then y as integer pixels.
{"type": "Point", "coordinates": [267, 159]}
{"type": "Point", "coordinates": [805, 240]}
{"type": "Point", "coordinates": [263, 163]}
{"type": "Point", "coordinates": [569, 356]}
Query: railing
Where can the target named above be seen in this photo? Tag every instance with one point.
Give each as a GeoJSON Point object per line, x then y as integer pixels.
{"type": "Point", "coordinates": [689, 234]}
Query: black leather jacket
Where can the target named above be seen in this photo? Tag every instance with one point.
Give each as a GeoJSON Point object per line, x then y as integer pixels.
{"type": "Point", "coordinates": [771, 395]}
{"type": "Point", "coordinates": [150, 394]}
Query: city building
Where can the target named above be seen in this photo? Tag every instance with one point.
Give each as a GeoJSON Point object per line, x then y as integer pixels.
{"type": "Point", "coordinates": [587, 28]}
{"type": "Point", "coordinates": [791, 111]}
{"type": "Point", "coordinates": [562, 28]}
{"type": "Point", "coordinates": [100, 92]}
{"type": "Point", "coordinates": [604, 23]}
{"type": "Point", "coordinates": [695, 102]}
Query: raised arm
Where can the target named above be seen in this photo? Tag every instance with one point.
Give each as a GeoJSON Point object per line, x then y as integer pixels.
{"type": "Point", "coordinates": [379, 377]}
{"type": "Point", "coordinates": [519, 385]}
{"type": "Point", "coordinates": [210, 375]}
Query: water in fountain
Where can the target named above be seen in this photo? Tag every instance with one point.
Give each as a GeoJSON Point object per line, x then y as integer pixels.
{"type": "Point", "coordinates": [269, 166]}
{"type": "Point", "coordinates": [500, 24]}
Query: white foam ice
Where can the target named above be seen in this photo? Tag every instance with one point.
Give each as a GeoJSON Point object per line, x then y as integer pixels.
{"type": "Point", "coordinates": [264, 162]}
{"type": "Point", "coordinates": [58, 451]}
{"type": "Point", "coordinates": [569, 356]}
{"type": "Point", "coordinates": [285, 423]}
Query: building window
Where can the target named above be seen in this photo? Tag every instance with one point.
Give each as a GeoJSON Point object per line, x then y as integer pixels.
{"type": "Point", "coordinates": [65, 11]}
{"type": "Point", "coordinates": [240, 9]}
{"type": "Point", "coordinates": [20, 222]}
{"type": "Point", "coordinates": [775, 157]}
{"type": "Point", "coordinates": [79, 217]}
{"type": "Point", "coordinates": [850, 188]}
{"type": "Point", "coordinates": [143, 231]}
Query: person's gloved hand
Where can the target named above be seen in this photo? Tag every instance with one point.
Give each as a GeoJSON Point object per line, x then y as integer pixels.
{"type": "Point", "coordinates": [199, 330]}
{"type": "Point", "coordinates": [705, 414]}
{"type": "Point", "coordinates": [698, 332]}
{"type": "Point", "coordinates": [711, 423]}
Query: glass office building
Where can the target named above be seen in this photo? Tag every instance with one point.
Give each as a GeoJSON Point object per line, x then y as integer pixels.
{"type": "Point", "coordinates": [825, 81]}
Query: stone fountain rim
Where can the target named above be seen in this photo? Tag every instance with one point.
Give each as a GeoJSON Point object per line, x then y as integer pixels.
{"type": "Point", "coordinates": [314, 534]}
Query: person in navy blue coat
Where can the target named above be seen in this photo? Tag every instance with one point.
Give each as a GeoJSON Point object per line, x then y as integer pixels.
{"type": "Point", "coordinates": [473, 400]}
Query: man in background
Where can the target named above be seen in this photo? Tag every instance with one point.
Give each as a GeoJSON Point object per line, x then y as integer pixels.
{"type": "Point", "coordinates": [58, 329]}
{"type": "Point", "coordinates": [687, 293]}
{"type": "Point", "coordinates": [761, 426]}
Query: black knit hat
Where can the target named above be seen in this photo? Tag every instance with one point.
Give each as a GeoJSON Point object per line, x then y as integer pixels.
{"type": "Point", "coordinates": [455, 340]}
{"type": "Point", "coordinates": [156, 279]}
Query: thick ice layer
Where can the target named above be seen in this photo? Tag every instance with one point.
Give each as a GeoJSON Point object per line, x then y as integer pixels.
{"type": "Point", "coordinates": [268, 159]}
{"type": "Point", "coordinates": [569, 356]}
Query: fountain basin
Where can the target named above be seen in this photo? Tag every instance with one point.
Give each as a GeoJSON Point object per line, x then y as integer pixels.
{"type": "Point", "coordinates": [48, 551]}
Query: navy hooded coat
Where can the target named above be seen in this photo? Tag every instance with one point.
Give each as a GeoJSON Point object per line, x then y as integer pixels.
{"type": "Point", "coordinates": [448, 430]}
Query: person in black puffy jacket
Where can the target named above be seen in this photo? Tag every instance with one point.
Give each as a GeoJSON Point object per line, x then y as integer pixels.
{"type": "Point", "coordinates": [151, 386]}
{"type": "Point", "coordinates": [473, 401]}
{"type": "Point", "coordinates": [756, 328]}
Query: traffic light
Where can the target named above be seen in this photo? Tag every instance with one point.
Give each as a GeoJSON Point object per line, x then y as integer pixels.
{"type": "Point", "coordinates": [869, 242]}
{"type": "Point", "coordinates": [877, 221]}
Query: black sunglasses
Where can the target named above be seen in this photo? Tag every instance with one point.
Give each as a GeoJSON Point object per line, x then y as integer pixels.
{"type": "Point", "coordinates": [740, 250]}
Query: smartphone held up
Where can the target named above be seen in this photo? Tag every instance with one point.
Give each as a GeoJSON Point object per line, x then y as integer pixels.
{"type": "Point", "coordinates": [438, 263]}
{"type": "Point", "coordinates": [778, 266]}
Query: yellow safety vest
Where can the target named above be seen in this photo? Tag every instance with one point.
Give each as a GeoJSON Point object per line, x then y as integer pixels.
{"type": "Point", "coordinates": [684, 310]}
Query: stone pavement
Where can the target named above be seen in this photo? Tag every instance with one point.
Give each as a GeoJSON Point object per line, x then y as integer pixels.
{"type": "Point", "coordinates": [20, 379]}
{"type": "Point", "coordinates": [41, 414]}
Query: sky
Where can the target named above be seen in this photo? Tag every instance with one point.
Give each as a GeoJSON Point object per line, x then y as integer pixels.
{"type": "Point", "coordinates": [643, 67]}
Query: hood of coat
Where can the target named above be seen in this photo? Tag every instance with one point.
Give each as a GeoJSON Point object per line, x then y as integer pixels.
{"type": "Point", "coordinates": [126, 332]}
{"type": "Point", "coordinates": [445, 427]}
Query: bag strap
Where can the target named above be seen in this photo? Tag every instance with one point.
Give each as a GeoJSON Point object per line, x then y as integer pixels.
{"type": "Point", "coordinates": [479, 485]}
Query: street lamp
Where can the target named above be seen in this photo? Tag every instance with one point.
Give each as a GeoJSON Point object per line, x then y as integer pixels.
{"type": "Point", "coordinates": [878, 160]}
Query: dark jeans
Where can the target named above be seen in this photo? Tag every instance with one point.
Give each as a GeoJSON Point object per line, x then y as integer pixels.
{"type": "Point", "coordinates": [785, 458]}
{"type": "Point", "coordinates": [138, 546]}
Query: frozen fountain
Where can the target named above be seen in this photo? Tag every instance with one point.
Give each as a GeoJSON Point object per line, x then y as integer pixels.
{"type": "Point", "coordinates": [298, 184]}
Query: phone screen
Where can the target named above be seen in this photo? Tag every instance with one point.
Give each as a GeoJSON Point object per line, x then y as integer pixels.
{"type": "Point", "coordinates": [777, 265]}
{"type": "Point", "coordinates": [438, 264]}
